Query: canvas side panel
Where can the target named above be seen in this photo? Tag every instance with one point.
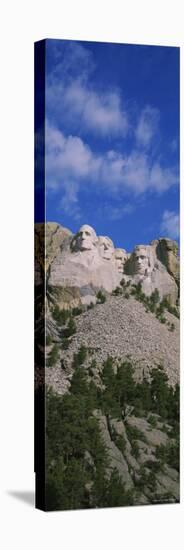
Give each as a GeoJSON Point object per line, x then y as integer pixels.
{"type": "Point", "coordinates": [39, 400]}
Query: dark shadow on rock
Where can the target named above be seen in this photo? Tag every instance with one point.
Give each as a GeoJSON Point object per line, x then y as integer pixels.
{"type": "Point", "coordinates": [26, 496]}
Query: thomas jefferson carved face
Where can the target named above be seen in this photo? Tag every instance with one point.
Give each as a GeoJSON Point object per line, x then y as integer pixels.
{"type": "Point", "coordinates": [120, 258]}
{"type": "Point", "coordinates": [85, 239]}
{"type": "Point", "coordinates": [106, 247]}
{"type": "Point", "coordinates": [141, 260]}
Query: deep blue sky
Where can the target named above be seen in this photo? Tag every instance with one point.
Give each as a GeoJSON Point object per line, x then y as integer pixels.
{"type": "Point", "coordinates": [112, 134]}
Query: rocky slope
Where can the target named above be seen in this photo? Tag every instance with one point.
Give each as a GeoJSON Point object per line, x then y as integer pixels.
{"type": "Point", "coordinates": [122, 324]}
{"type": "Point", "coordinates": [121, 328]}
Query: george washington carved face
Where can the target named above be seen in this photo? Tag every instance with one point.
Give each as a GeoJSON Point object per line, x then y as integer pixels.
{"type": "Point", "coordinates": [85, 239]}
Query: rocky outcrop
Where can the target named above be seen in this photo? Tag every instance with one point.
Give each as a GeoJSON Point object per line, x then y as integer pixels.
{"type": "Point", "coordinates": [167, 253]}
{"type": "Point", "coordinates": [90, 263]}
{"type": "Point", "coordinates": [48, 239]}
{"type": "Point", "coordinates": [86, 263]}
{"type": "Point", "coordinates": [55, 236]}
{"type": "Point", "coordinates": [116, 457]}
{"type": "Point", "coordinates": [144, 267]}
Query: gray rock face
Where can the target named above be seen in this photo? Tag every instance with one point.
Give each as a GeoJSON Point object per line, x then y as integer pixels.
{"type": "Point", "coordinates": [88, 261]}
{"type": "Point", "coordinates": [116, 458]}
{"type": "Point", "coordinates": [48, 239]}
{"type": "Point", "coordinates": [167, 253]}
{"type": "Point", "coordinates": [144, 267]}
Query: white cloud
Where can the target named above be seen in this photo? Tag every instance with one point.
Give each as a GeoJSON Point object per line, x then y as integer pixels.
{"type": "Point", "coordinates": [69, 202]}
{"type": "Point", "coordinates": [98, 112]}
{"type": "Point", "coordinates": [71, 59]}
{"type": "Point", "coordinates": [70, 96]}
{"type": "Point", "coordinates": [70, 159]}
{"type": "Point", "coordinates": [67, 158]}
{"type": "Point", "coordinates": [162, 179]}
{"type": "Point", "coordinates": [170, 224]}
{"type": "Point", "coordinates": [147, 126]}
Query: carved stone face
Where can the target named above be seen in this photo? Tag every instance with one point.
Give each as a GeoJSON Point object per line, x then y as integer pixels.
{"type": "Point", "coordinates": [120, 258]}
{"type": "Point", "coordinates": [141, 260]}
{"type": "Point", "coordinates": [106, 248]}
{"type": "Point", "coordinates": [85, 239]}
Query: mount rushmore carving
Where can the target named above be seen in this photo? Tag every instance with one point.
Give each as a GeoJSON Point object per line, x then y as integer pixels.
{"type": "Point", "coordinates": [88, 263]}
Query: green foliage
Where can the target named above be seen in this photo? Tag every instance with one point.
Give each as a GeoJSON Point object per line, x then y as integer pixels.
{"type": "Point", "coordinates": [165, 304]}
{"type": "Point", "coordinates": [53, 356]}
{"type": "Point", "coordinates": [48, 340]}
{"type": "Point", "coordinates": [154, 466]}
{"type": "Point", "coordinates": [147, 479]}
{"type": "Point", "coordinates": [134, 433]}
{"type": "Point", "coordinates": [80, 357]}
{"type": "Point", "coordinates": [78, 382]}
{"type": "Point", "coordinates": [169, 454]}
{"type": "Point", "coordinates": [71, 328]}
{"type": "Point", "coordinates": [139, 289]}
{"type": "Point", "coordinates": [152, 420]}
{"type": "Point", "coordinates": [77, 458]}
{"type": "Point", "coordinates": [119, 388]}
{"type": "Point", "coordinates": [143, 399]}
{"type": "Point", "coordinates": [65, 343]}
{"type": "Point", "coordinates": [135, 448]}
{"type": "Point", "coordinates": [173, 408]}
{"type": "Point", "coordinates": [76, 311]}
{"type": "Point", "coordinates": [111, 493]}
{"type": "Point", "coordinates": [118, 291]}
{"type": "Point", "coordinates": [155, 297]}
{"type": "Point", "coordinates": [125, 384]}
{"type": "Point", "coordinates": [108, 401]}
{"type": "Point", "coordinates": [120, 443]}
{"type": "Point", "coordinates": [60, 315]}
{"type": "Point", "coordinates": [71, 431]}
{"type": "Point", "coordinates": [152, 303]}
{"type": "Point", "coordinates": [159, 392]}
{"type": "Point", "coordinates": [91, 305]}
{"type": "Point", "coordinates": [101, 298]}
{"type": "Point", "coordinates": [108, 376]}
{"type": "Point", "coordinates": [162, 319]}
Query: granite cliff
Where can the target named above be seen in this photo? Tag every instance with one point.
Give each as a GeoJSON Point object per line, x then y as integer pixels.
{"type": "Point", "coordinates": [110, 312]}
{"type": "Point", "coordinates": [85, 263]}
